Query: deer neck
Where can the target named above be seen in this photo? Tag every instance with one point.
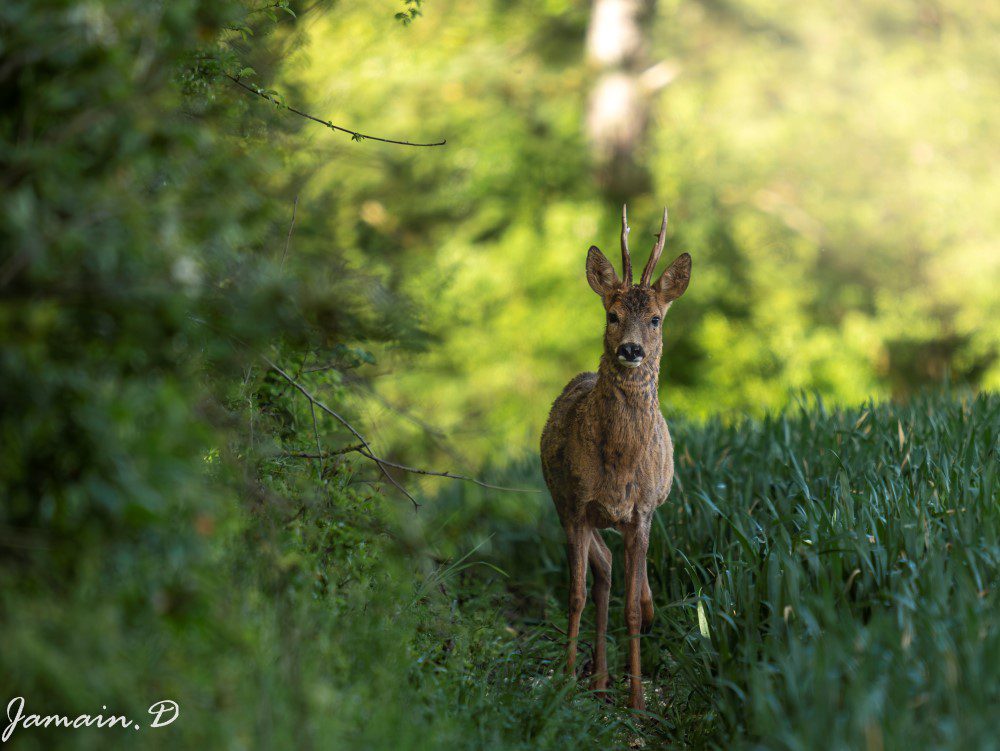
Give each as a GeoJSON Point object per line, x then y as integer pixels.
{"type": "Point", "coordinates": [631, 391]}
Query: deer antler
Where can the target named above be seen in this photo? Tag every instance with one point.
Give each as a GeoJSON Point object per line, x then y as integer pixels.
{"type": "Point", "coordinates": [626, 256]}
{"type": "Point", "coordinates": [654, 257]}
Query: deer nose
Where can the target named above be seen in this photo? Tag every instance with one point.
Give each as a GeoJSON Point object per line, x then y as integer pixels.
{"type": "Point", "coordinates": [630, 354]}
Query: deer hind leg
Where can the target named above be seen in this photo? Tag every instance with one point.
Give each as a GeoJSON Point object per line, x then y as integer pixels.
{"type": "Point", "coordinates": [600, 565]}
{"type": "Point", "coordinates": [578, 541]}
{"type": "Point", "coordinates": [636, 544]}
{"type": "Point", "coordinates": [646, 600]}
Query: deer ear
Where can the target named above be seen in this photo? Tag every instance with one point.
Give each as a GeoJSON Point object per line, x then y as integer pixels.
{"type": "Point", "coordinates": [675, 279]}
{"type": "Point", "coordinates": [600, 273]}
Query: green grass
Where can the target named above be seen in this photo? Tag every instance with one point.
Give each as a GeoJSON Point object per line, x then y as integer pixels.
{"type": "Point", "coordinates": [845, 564]}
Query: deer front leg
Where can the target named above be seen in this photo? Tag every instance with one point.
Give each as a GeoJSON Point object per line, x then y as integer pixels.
{"type": "Point", "coordinates": [577, 545]}
{"type": "Point", "coordinates": [636, 544]}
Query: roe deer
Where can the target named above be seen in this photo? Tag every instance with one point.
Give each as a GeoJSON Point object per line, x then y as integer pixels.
{"type": "Point", "coordinates": [607, 456]}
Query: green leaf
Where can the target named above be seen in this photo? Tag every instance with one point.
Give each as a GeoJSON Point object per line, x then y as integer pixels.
{"type": "Point", "coordinates": [703, 620]}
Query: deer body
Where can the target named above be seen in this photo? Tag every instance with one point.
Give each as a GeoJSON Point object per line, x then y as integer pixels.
{"type": "Point", "coordinates": [607, 456]}
{"type": "Point", "coordinates": [607, 445]}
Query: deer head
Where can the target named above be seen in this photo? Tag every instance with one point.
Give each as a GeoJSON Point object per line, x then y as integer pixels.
{"type": "Point", "coordinates": [632, 334]}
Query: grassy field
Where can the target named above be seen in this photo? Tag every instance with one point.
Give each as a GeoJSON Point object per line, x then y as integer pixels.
{"type": "Point", "coordinates": [822, 580]}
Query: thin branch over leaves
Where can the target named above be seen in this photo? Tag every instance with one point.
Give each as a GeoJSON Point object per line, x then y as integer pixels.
{"type": "Point", "coordinates": [449, 475]}
{"type": "Point", "coordinates": [355, 135]}
{"type": "Point", "coordinates": [360, 449]}
{"type": "Point", "coordinates": [291, 228]}
{"type": "Point", "coordinates": [366, 450]}
{"type": "Point", "coordinates": [313, 400]}
{"type": "Point", "coordinates": [325, 454]}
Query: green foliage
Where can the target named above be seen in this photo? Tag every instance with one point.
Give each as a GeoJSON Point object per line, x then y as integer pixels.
{"type": "Point", "coordinates": [178, 521]}
{"type": "Point", "coordinates": [827, 172]}
{"type": "Point", "coordinates": [144, 229]}
{"type": "Point", "coordinates": [410, 13]}
{"type": "Point", "coordinates": [123, 243]}
{"type": "Point", "coordinates": [145, 233]}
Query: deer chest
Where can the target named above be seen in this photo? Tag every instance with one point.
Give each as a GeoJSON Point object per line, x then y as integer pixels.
{"type": "Point", "coordinates": [628, 478]}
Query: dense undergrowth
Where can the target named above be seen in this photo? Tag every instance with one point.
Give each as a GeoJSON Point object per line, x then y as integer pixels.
{"type": "Point", "coordinates": [823, 580]}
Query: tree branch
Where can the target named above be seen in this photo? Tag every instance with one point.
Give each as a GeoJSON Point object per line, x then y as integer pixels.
{"type": "Point", "coordinates": [324, 454]}
{"type": "Point", "coordinates": [291, 228]}
{"type": "Point", "coordinates": [355, 135]}
{"type": "Point", "coordinates": [319, 446]}
{"type": "Point", "coordinates": [449, 475]}
{"type": "Point", "coordinates": [313, 400]}
{"type": "Point", "coordinates": [366, 450]}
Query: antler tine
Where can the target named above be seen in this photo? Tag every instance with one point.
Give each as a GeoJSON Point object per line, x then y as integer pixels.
{"type": "Point", "coordinates": [626, 256]}
{"type": "Point", "coordinates": [654, 257]}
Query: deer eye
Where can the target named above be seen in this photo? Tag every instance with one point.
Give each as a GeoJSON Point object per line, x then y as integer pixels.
{"type": "Point", "coordinates": [655, 322]}
{"type": "Point", "coordinates": [612, 318]}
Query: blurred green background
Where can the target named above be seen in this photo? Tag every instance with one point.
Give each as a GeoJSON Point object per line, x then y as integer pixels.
{"type": "Point", "coordinates": [182, 519]}
{"type": "Point", "coordinates": [832, 171]}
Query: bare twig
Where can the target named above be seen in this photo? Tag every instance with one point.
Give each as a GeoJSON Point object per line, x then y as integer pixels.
{"type": "Point", "coordinates": [319, 446]}
{"type": "Point", "coordinates": [437, 435]}
{"type": "Point", "coordinates": [355, 135]}
{"type": "Point", "coordinates": [263, 8]}
{"type": "Point", "coordinates": [313, 400]}
{"type": "Point", "coordinates": [324, 454]}
{"type": "Point", "coordinates": [291, 227]}
{"type": "Point", "coordinates": [366, 450]}
{"type": "Point", "coordinates": [449, 475]}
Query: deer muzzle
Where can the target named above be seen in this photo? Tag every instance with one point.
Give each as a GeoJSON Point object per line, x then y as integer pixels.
{"type": "Point", "coordinates": [631, 355]}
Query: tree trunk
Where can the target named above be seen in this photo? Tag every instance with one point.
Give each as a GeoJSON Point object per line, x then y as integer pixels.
{"type": "Point", "coordinates": [618, 110]}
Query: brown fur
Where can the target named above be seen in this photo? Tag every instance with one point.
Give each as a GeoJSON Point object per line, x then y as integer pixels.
{"type": "Point", "coordinates": [607, 456]}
